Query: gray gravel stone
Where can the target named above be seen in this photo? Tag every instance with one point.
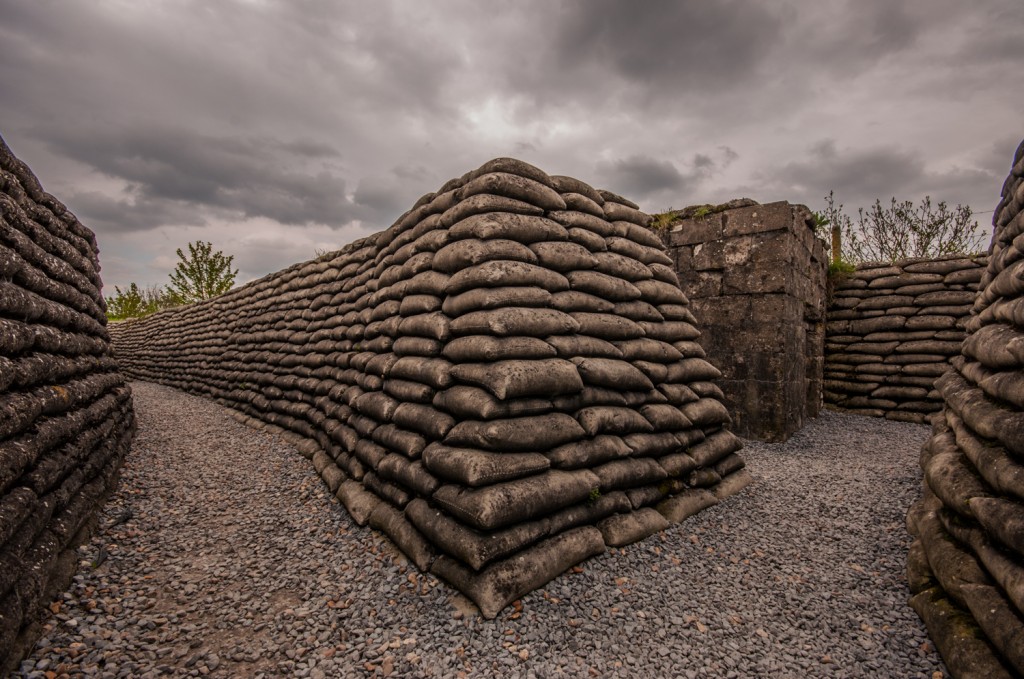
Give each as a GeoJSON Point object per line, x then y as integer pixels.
{"type": "Point", "coordinates": [236, 561]}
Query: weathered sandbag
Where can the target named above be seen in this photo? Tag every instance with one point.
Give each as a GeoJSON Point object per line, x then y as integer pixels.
{"type": "Point", "coordinates": [621, 266]}
{"type": "Point", "coordinates": [995, 465]}
{"type": "Point", "coordinates": [638, 311]}
{"type": "Point", "coordinates": [991, 420]}
{"type": "Point", "coordinates": [588, 452]}
{"type": "Point", "coordinates": [485, 204]}
{"type": "Point", "coordinates": [732, 484]}
{"type": "Point", "coordinates": [393, 494]}
{"type": "Point", "coordinates": [997, 346]}
{"type": "Point", "coordinates": [512, 166]}
{"type": "Point", "coordinates": [404, 390]}
{"type": "Point", "coordinates": [593, 396]}
{"type": "Point", "coordinates": [522, 378]}
{"type": "Point", "coordinates": [474, 468]}
{"type": "Point", "coordinates": [706, 412]}
{"type": "Point", "coordinates": [657, 444]}
{"type": "Point", "coordinates": [584, 220]}
{"type": "Point", "coordinates": [624, 529]}
{"type": "Point", "coordinates": [493, 298]}
{"type": "Point", "coordinates": [470, 546]}
{"type": "Point", "coordinates": [570, 346]}
{"type": "Point", "coordinates": [434, 325]}
{"type": "Point", "coordinates": [603, 286]}
{"type": "Point", "coordinates": [503, 504]}
{"type": "Point", "coordinates": [607, 326]}
{"type": "Point", "coordinates": [951, 477]}
{"type": "Point", "coordinates": [729, 465]}
{"type": "Point", "coordinates": [692, 370]}
{"type": "Point", "coordinates": [683, 505]}
{"type": "Point", "coordinates": [658, 292]}
{"type": "Point", "coordinates": [483, 348]}
{"type": "Point", "coordinates": [574, 300]}
{"type": "Point", "coordinates": [598, 420]}
{"type": "Point", "coordinates": [665, 417]}
{"type": "Point", "coordinates": [369, 453]}
{"type": "Point", "coordinates": [563, 256]}
{"type": "Point", "coordinates": [377, 405]}
{"type": "Point", "coordinates": [628, 473]}
{"type": "Point", "coordinates": [1002, 519]}
{"type": "Point", "coordinates": [469, 252]}
{"type": "Point", "coordinates": [619, 212]}
{"type": "Point", "coordinates": [410, 474]}
{"type": "Point", "coordinates": [564, 185]}
{"type": "Point", "coordinates": [516, 321]}
{"type": "Point", "coordinates": [518, 227]}
{"type": "Point", "coordinates": [427, 283]}
{"type": "Point", "coordinates": [435, 372]}
{"type": "Point", "coordinates": [408, 443]}
{"type": "Point", "coordinates": [536, 433]}
{"type": "Point", "coordinates": [476, 404]}
{"type": "Point", "coordinates": [359, 502]}
{"type": "Point", "coordinates": [505, 273]}
{"type": "Point", "coordinates": [503, 582]}
{"type": "Point", "coordinates": [392, 523]}
{"type": "Point", "coordinates": [424, 419]}
{"type": "Point", "coordinates": [513, 186]}
{"type": "Point", "coordinates": [1001, 623]}
{"type": "Point", "coordinates": [669, 331]}
{"type": "Point", "coordinates": [952, 564]}
{"type": "Point", "coordinates": [715, 447]}
{"type": "Point", "coordinates": [587, 239]}
{"type": "Point", "coordinates": [647, 349]}
{"type": "Point", "coordinates": [580, 203]}
{"type": "Point", "coordinates": [611, 373]}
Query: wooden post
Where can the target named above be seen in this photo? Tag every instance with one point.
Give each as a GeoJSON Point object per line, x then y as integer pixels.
{"type": "Point", "coordinates": [837, 244]}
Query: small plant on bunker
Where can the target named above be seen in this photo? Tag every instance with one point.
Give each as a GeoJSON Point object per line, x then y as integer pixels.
{"type": "Point", "coordinates": [594, 496]}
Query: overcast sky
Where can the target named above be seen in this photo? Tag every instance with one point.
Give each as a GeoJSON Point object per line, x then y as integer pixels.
{"type": "Point", "coordinates": [275, 128]}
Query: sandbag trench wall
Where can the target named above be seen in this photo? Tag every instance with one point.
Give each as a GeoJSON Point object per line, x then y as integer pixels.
{"type": "Point", "coordinates": [504, 382]}
{"type": "Point", "coordinates": [755, 277]}
{"type": "Point", "coordinates": [966, 565]}
{"type": "Point", "coordinates": [66, 419]}
{"type": "Point", "coordinates": [893, 329]}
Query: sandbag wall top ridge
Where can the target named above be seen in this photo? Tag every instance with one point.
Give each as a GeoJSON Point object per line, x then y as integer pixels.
{"type": "Point", "coordinates": [966, 565]}
{"type": "Point", "coordinates": [66, 418]}
{"type": "Point", "coordinates": [504, 382]}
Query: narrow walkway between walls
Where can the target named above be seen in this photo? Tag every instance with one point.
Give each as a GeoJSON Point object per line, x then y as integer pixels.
{"type": "Point", "coordinates": [222, 554]}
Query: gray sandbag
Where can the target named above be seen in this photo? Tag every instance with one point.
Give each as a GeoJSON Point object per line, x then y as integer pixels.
{"type": "Point", "coordinates": [503, 582]}
{"type": "Point", "coordinates": [484, 348]}
{"type": "Point", "coordinates": [516, 321]}
{"type": "Point", "coordinates": [369, 453]}
{"type": "Point", "coordinates": [732, 484]}
{"type": "Point", "coordinates": [592, 396]}
{"type": "Point", "coordinates": [590, 512]}
{"type": "Point", "coordinates": [588, 452]}
{"type": "Point", "coordinates": [598, 420]}
{"type": "Point", "coordinates": [392, 523]}
{"type": "Point", "coordinates": [621, 266]}
{"type": "Point", "coordinates": [435, 372]}
{"type": "Point", "coordinates": [409, 474]}
{"type": "Point", "coordinates": [953, 564]}
{"type": "Point", "coordinates": [521, 379]}
{"type": "Point", "coordinates": [564, 185]}
{"type": "Point", "coordinates": [669, 331]}
{"type": "Point", "coordinates": [658, 292]}
{"type": "Point", "coordinates": [692, 370]}
{"type": "Point", "coordinates": [729, 465]}
{"type": "Point", "coordinates": [583, 220]}
{"type": "Point", "coordinates": [665, 417]}
{"type": "Point", "coordinates": [997, 561]}
{"type": "Point", "coordinates": [563, 256]}
{"type": "Point", "coordinates": [1002, 519]}
{"type": "Point", "coordinates": [469, 252]}
{"type": "Point", "coordinates": [951, 477]}
{"type": "Point", "coordinates": [377, 405]}
{"type": "Point", "coordinates": [474, 468]}
{"type": "Point", "coordinates": [647, 349]}
{"type": "Point", "coordinates": [427, 283]}
{"type": "Point", "coordinates": [493, 298]}
{"type": "Point", "coordinates": [570, 346]}
{"type": "Point", "coordinates": [580, 203]}
{"type": "Point", "coordinates": [503, 504]}
{"type": "Point", "coordinates": [989, 419]}
{"type": "Point", "coordinates": [518, 227]}
{"type": "Point", "coordinates": [703, 478]}
{"type": "Point", "coordinates": [620, 530]}
{"type": "Point", "coordinates": [1000, 471]}
{"type": "Point", "coordinates": [998, 347]}
{"type": "Point", "coordinates": [645, 254]}
{"type": "Point", "coordinates": [587, 239]}
{"type": "Point", "coordinates": [404, 390]}
{"type": "Point", "coordinates": [607, 326]}
{"type": "Point", "coordinates": [574, 300]}
{"type": "Point", "coordinates": [603, 285]}
{"type": "Point", "coordinates": [706, 412]}
{"type": "Point", "coordinates": [513, 186]}
{"type": "Point", "coordinates": [470, 546]}
{"type": "Point", "coordinates": [472, 403]}
{"type": "Point", "coordinates": [359, 502]}
{"type": "Point", "coordinates": [657, 373]}
{"type": "Point", "coordinates": [426, 420]}
{"type": "Point", "coordinates": [1001, 623]}
{"type": "Point", "coordinates": [537, 433]}
{"type": "Point", "coordinates": [715, 447]}
{"type": "Point", "coordinates": [638, 311]}
{"type": "Point", "coordinates": [484, 204]}
{"type": "Point", "coordinates": [515, 167]}
{"type": "Point", "coordinates": [628, 472]}
{"type": "Point", "coordinates": [619, 212]}
{"type": "Point", "coordinates": [611, 373]}
{"type": "Point", "coordinates": [685, 504]}
{"type": "Point", "coordinates": [505, 273]}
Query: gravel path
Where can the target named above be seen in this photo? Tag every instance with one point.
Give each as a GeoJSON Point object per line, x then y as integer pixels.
{"type": "Point", "coordinates": [222, 554]}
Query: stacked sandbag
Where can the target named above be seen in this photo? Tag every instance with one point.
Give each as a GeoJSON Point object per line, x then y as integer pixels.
{"type": "Point", "coordinates": [892, 330]}
{"type": "Point", "coordinates": [65, 411]}
{"type": "Point", "coordinates": [504, 382]}
{"type": "Point", "coordinates": [966, 565]}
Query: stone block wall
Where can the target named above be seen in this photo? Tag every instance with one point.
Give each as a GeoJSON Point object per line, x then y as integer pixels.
{"type": "Point", "coordinates": [755, 276]}
{"type": "Point", "coordinates": [892, 330]}
{"type": "Point", "coordinates": [504, 382]}
{"type": "Point", "coordinates": [65, 411]}
{"type": "Point", "coordinates": [966, 565]}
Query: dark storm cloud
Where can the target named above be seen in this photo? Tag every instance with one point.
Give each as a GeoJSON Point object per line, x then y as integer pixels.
{"type": "Point", "coordinates": [644, 178]}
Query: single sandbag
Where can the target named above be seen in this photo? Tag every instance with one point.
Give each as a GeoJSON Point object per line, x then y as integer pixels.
{"type": "Point", "coordinates": [515, 321]}
{"type": "Point", "coordinates": [474, 468]}
{"type": "Point", "coordinates": [494, 298]}
{"type": "Point", "coordinates": [472, 403]}
{"type": "Point", "coordinates": [537, 433]}
{"type": "Point", "coordinates": [612, 420]}
{"type": "Point", "coordinates": [483, 348]}
{"type": "Point", "coordinates": [522, 378]}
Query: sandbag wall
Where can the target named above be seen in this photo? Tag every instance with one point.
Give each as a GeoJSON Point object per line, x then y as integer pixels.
{"type": "Point", "coordinates": [892, 330]}
{"type": "Point", "coordinates": [504, 382]}
{"type": "Point", "coordinates": [65, 411]}
{"type": "Point", "coordinates": [966, 565]}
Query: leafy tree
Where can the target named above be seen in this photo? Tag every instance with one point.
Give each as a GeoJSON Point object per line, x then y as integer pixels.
{"type": "Point", "coordinates": [201, 275]}
{"type": "Point", "coordinates": [903, 231]}
{"type": "Point", "coordinates": [135, 302]}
